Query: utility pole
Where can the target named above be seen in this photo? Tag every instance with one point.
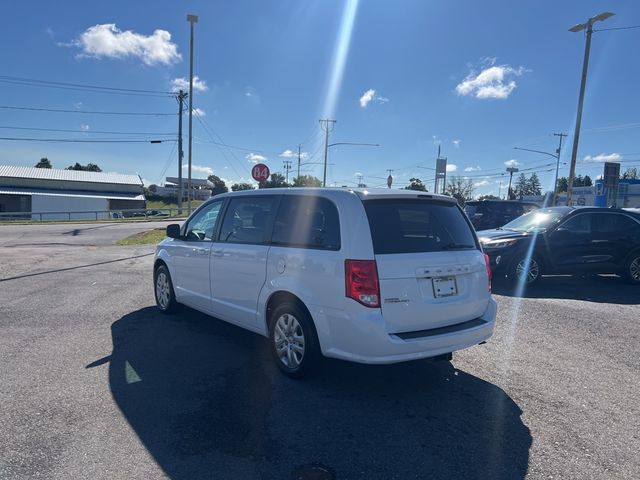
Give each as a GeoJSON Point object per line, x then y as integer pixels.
{"type": "Point", "coordinates": [181, 97]}
{"type": "Point", "coordinates": [327, 125]}
{"type": "Point", "coordinates": [511, 171]}
{"type": "Point", "coordinates": [555, 184]}
{"type": "Point", "coordinates": [389, 178]}
{"type": "Point", "coordinates": [441, 173]}
{"type": "Point", "coordinates": [583, 81]}
{"type": "Point", "coordinates": [287, 167]}
{"type": "Point", "coordinates": [360, 183]}
{"type": "Point", "coordinates": [192, 19]}
{"type": "Point", "coordinates": [299, 149]}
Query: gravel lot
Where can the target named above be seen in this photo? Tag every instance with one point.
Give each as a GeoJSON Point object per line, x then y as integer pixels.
{"type": "Point", "coordinates": [94, 383]}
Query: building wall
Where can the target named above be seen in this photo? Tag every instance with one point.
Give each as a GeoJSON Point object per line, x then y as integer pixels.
{"type": "Point", "coordinates": [81, 208]}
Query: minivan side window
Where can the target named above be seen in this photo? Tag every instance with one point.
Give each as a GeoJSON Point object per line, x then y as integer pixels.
{"type": "Point", "coordinates": [202, 226]}
{"type": "Point", "coordinates": [246, 220]}
{"type": "Point", "coordinates": [307, 222]}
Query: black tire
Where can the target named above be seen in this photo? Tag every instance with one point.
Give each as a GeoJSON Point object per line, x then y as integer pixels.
{"type": "Point", "coordinates": [518, 269]}
{"type": "Point", "coordinates": [631, 272]}
{"type": "Point", "coordinates": [163, 290]}
{"type": "Point", "coordinates": [286, 343]}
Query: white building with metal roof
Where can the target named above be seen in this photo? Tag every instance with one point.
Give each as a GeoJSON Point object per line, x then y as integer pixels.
{"type": "Point", "coordinates": [53, 194]}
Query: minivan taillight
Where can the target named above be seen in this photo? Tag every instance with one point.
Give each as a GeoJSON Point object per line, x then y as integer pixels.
{"type": "Point", "coordinates": [489, 272]}
{"type": "Point", "coordinates": [361, 282]}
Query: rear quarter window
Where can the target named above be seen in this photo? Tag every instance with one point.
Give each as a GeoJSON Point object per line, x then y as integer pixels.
{"type": "Point", "coordinates": [413, 226]}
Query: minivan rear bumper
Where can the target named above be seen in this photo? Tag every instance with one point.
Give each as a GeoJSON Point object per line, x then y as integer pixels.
{"type": "Point", "coordinates": [360, 336]}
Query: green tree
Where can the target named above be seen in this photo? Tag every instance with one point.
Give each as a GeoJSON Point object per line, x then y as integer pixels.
{"type": "Point", "coordinates": [153, 188]}
{"type": "Point", "coordinates": [90, 167]}
{"type": "Point", "coordinates": [44, 163]}
{"type": "Point", "coordinates": [236, 187]}
{"type": "Point", "coordinates": [488, 197]}
{"type": "Point", "coordinates": [630, 174]}
{"type": "Point", "coordinates": [416, 184]}
{"type": "Point", "coordinates": [275, 181]}
{"type": "Point", "coordinates": [306, 181]}
{"type": "Point", "coordinates": [460, 189]}
{"type": "Point", "coordinates": [522, 186]}
{"type": "Point", "coordinates": [218, 185]}
{"type": "Point", "coordinates": [534, 187]}
{"type": "Point", "coordinates": [563, 184]}
{"type": "Point", "coordinates": [587, 181]}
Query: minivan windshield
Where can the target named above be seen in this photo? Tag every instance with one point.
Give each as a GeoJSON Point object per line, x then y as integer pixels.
{"type": "Point", "coordinates": [535, 220]}
{"type": "Point", "coordinates": [413, 225]}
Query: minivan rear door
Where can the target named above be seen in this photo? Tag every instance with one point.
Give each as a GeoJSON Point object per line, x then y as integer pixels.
{"type": "Point", "coordinates": [432, 272]}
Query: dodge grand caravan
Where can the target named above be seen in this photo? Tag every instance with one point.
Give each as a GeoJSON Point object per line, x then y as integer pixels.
{"type": "Point", "coordinates": [370, 276]}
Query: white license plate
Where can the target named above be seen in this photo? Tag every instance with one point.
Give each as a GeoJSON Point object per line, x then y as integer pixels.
{"type": "Point", "coordinates": [444, 287]}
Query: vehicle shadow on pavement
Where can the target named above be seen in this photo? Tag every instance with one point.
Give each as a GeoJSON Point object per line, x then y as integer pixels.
{"type": "Point", "coordinates": [588, 288]}
{"type": "Point", "coordinates": [206, 401]}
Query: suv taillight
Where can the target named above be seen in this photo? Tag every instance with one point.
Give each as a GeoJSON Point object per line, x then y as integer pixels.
{"type": "Point", "coordinates": [361, 282]}
{"type": "Point", "coordinates": [489, 272]}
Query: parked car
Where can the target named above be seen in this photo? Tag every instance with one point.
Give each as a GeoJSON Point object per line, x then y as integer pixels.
{"type": "Point", "coordinates": [487, 214]}
{"type": "Point", "coordinates": [566, 240]}
{"type": "Point", "coordinates": [375, 276]}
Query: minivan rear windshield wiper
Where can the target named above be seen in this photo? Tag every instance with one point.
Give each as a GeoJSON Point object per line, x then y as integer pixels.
{"type": "Point", "coordinates": [453, 246]}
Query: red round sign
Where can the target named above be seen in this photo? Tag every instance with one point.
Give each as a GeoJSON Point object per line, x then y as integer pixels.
{"type": "Point", "coordinates": [260, 172]}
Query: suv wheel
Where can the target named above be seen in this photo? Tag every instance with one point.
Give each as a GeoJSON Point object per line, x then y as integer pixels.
{"type": "Point", "coordinates": [527, 269]}
{"type": "Point", "coordinates": [163, 289]}
{"type": "Point", "coordinates": [632, 269]}
{"type": "Point", "coordinates": [294, 344]}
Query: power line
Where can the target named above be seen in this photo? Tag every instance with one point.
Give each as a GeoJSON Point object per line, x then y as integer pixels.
{"type": "Point", "coordinates": [84, 131]}
{"type": "Point", "coordinates": [81, 87]}
{"type": "Point", "coordinates": [73, 140]}
{"type": "Point", "coordinates": [616, 28]}
{"type": "Point", "coordinates": [92, 112]}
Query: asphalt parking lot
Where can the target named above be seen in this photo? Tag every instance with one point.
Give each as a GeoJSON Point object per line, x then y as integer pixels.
{"type": "Point", "coordinates": [94, 383]}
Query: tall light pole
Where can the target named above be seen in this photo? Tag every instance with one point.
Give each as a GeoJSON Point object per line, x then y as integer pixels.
{"type": "Point", "coordinates": [327, 127]}
{"type": "Point", "coordinates": [192, 19]}
{"type": "Point", "coordinates": [588, 26]}
{"type": "Point", "coordinates": [511, 171]}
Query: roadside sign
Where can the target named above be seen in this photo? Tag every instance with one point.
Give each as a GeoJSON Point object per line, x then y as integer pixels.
{"type": "Point", "coordinates": [582, 201]}
{"type": "Point", "coordinates": [260, 172]}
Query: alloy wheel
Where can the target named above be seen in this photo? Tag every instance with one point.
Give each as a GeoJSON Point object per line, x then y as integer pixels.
{"type": "Point", "coordinates": [289, 341]}
{"type": "Point", "coordinates": [163, 291]}
{"type": "Point", "coordinates": [634, 269]}
{"type": "Point", "coordinates": [530, 269]}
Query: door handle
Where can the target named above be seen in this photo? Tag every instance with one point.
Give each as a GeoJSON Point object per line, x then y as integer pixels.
{"type": "Point", "coordinates": [217, 253]}
{"type": "Point", "coordinates": [200, 251]}
{"type": "Point", "coordinates": [599, 241]}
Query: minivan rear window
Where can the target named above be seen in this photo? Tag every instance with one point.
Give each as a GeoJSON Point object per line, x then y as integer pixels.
{"type": "Point", "coordinates": [413, 226]}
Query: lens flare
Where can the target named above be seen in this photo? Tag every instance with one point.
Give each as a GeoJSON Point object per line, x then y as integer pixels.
{"type": "Point", "coordinates": [340, 54]}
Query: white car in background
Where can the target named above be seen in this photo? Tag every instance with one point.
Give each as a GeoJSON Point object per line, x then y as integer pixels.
{"type": "Point", "coordinates": [370, 276]}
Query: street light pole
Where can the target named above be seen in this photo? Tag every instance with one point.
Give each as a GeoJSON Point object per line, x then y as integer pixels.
{"type": "Point", "coordinates": [511, 171]}
{"type": "Point", "coordinates": [192, 19]}
{"type": "Point", "coordinates": [326, 129]}
{"type": "Point", "coordinates": [588, 26]}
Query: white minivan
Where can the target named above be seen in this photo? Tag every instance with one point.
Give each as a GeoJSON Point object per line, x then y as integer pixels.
{"type": "Point", "coordinates": [370, 276]}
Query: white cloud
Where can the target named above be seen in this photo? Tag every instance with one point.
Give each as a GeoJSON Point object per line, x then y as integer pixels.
{"type": "Point", "coordinates": [252, 94]}
{"type": "Point", "coordinates": [291, 154]}
{"type": "Point", "coordinates": [198, 112]}
{"type": "Point", "coordinates": [494, 81]}
{"type": "Point", "coordinates": [182, 83]}
{"type": "Point", "coordinates": [84, 127]}
{"type": "Point", "coordinates": [604, 157]}
{"type": "Point", "coordinates": [369, 96]}
{"type": "Point", "coordinates": [357, 174]}
{"type": "Point", "coordinates": [255, 158]}
{"type": "Point", "coordinates": [511, 163]}
{"type": "Point", "coordinates": [451, 167]}
{"type": "Point", "coordinates": [482, 183]}
{"type": "Point", "coordinates": [50, 32]}
{"type": "Point", "coordinates": [107, 40]}
{"type": "Point", "coordinates": [78, 105]}
{"type": "Point", "coordinates": [200, 169]}
{"type": "Point", "coordinates": [472, 169]}
{"type": "Point", "coordinates": [456, 143]}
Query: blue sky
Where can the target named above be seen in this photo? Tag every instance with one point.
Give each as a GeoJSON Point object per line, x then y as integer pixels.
{"type": "Point", "coordinates": [476, 78]}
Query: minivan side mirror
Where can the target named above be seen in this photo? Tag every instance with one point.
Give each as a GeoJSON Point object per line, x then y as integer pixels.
{"type": "Point", "coordinates": [173, 230]}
